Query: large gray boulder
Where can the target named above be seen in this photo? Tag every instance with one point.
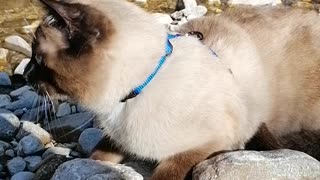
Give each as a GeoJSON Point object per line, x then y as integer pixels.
{"type": "Point", "coordinates": [250, 165]}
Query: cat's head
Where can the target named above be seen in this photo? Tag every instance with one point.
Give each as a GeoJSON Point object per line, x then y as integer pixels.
{"type": "Point", "coordinates": [66, 48]}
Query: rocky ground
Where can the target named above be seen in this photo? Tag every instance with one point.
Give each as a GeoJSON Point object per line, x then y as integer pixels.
{"type": "Point", "coordinates": [42, 140]}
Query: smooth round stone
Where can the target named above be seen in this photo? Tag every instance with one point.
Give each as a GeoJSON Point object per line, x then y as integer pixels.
{"type": "Point", "coordinates": [18, 112]}
{"type": "Point", "coordinates": [30, 144]}
{"type": "Point", "coordinates": [10, 152]}
{"type": "Point", "coordinates": [23, 176]}
{"type": "Point", "coordinates": [16, 165]}
{"type": "Point", "coordinates": [5, 79]}
{"type": "Point", "coordinates": [56, 150]}
{"type": "Point", "coordinates": [63, 110]}
{"type": "Point", "coordinates": [33, 162]}
{"type": "Point", "coordinates": [28, 128]}
{"type": "Point", "coordinates": [9, 124]}
{"type": "Point", "coordinates": [28, 100]}
{"type": "Point", "coordinates": [4, 100]}
{"type": "Point", "coordinates": [89, 138]}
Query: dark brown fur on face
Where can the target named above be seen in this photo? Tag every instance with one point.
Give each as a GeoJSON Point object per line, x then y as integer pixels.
{"type": "Point", "coordinates": [65, 47]}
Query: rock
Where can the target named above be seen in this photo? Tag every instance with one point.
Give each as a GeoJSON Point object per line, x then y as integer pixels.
{"type": "Point", "coordinates": [255, 2]}
{"type": "Point", "coordinates": [33, 162]}
{"type": "Point", "coordinates": [4, 145]}
{"type": "Point", "coordinates": [89, 138]}
{"type": "Point", "coordinates": [23, 176]}
{"type": "Point", "coordinates": [63, 110]}
{"type": "Point", "coordinates": [28, 128]}
{"type": "Point", "coordinates": [280, 164]}
{"type": "Point", "coordinates": [162, 18]}
{"type": "Point", "coordinates": [36, 114]}
{"type": "Point", "coordinates": [16, 43]}
{"type": "Point", "coordinates": [9, 125]}
{"type": "Point", "coordinates": [20, 68]}
{"type": "Point", "coordinates": [2, 151]}
{"type": "Point", "coordinates": [16, 165]}
{"type": "Point", "coordinates": [69, 128]}
{"type": "Point", "coordinates": [1, 167]}
{"type": "Point", "coordinates": [3, 54]}
{"type": "Point", "coordinates": [81, 169]}
{"type": "Point", "coordinates": [196, 12]}
{"type": "Point", "coordinates": [49, 166]}
{"type": "Point", "coordinates": [10, 153]}
{"type": "Point", "coordinates": [28, 100]}
{"type": "Point", "coordinates": [4, 100]}
{"type": "Point", "coordinates": [5, 79]}
{"type": "Point", "coordinates": [30, 144]}
{"type": "Point", "coordinates": [81, 109]}
{"type": "Point", "coordinates": [73, 109]}
{"type": "Point", "coordinates": [18, 92]}
{"type": "Point", "coordinates": [18, 112]}
{"type": "Point", "coordinates": [56, 150]}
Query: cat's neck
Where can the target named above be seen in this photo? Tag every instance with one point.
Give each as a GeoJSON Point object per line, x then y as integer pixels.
{"type": "Point", "coordinates": [134, 52]}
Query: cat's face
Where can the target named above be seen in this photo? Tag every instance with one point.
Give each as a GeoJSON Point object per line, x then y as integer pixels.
{"type": "Point", "coordinates": [65, 50]}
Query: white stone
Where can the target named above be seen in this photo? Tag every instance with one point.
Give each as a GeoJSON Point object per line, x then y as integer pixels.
{"type": "Point", "coordinates": [256, 2]}
{"type": "Point", "coordinates": [163, 18]}
{"type": "Point", "coordinates": [20, 68]}
{"type": "Point", "coordinates": [190, 4]}
{"type": "Point", "coordinates": [3, 53]}
{"type": "Point", "coordinates": [16, 43]}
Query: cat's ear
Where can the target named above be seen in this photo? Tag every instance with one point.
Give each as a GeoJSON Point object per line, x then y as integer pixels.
{"type": "Point", "coordinates": [71, 14]}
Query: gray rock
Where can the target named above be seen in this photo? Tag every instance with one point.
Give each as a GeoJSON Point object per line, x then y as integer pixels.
{"type": "Point", "coordinates": [16, 165]}
{"type": "Point", "coordinates": [18, 112]}
{"type": "Point", "coordinates": [4, 145]}
{"type": "Point", "coordinates": [5, 79]}
{"type": "Point", "coordinates": [9, 124]}
{"type": "Point", "coordinates": [10, 152]}
{"type": "Point", "coordinates": [22, 65]}
{"type": "Point", "coordinates": [89, 138]}
{"type": "Point", "coordinates": [63, 109]}
{"type": "Point", "coordinates": [16, 43]}
{"type": "Point", "coordinates": [36, 114]}
{"type": "Point", "coordinates": [56, 150]}
{"type": "Point", "coordinates": [81, 108]}
{"type": "Point", "coordinates": [2, 151]}
{"type": "Point", "coordinates": [18, 92]}
{"type": "Point", "coordinates": [28, 100]}
{"type": "Point", "coordinates": [23, 176]}
{"type": "Point", "coordinates": [81, 169]}
{"type": "Point", "coordinates": [28, 128]}
{"type": "Point", "coordinates": [69, 128]}
{"type": "Point", "coordinates": [73, 109]}
{"type": "Point", "coordinates": [49, 166]}
{"type": "Point", "coordinates": [30, 144]}
{"type": "Point", "coordinates": [33, 162]}
{"type": "Point", "coordinates": [4, 100]}
{"type": "Point", "coordinates": [280, 164]}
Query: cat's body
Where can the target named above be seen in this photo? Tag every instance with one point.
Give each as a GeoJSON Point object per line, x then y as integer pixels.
{"type": "Point", "coordinates": [266, 71]}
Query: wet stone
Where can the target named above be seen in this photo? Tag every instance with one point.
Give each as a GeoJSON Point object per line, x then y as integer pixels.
{"type": "Point", "coordinates": [30, 145]}
{"type": "Point", "coordinates": [16, 165]}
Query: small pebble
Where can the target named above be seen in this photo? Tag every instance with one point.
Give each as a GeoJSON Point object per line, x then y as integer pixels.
{"type": "Point", "coordinates": [23, 176]}
{"type": "Point", "coordinates": [16, 165]}
{"type": "Point", "coordinates": [16, 43]}
{"type": "Point", "coordinates": [10, 153]}
{"type": "Point", "coordinates": [29, 127]}
{"type": "Point", "coordinates": [18, 112]}
{"type": "Point", "coordinates": [28, 99]}
{"type": "Point", "coordinates": [63, 110]}
{"type": "Point", "coordinates": [89, 138]}
{"type": "Point", "coordinates": [33, 162]}
{"type": "Point", "coordinates": [9, 124]}
{"type": "Point", "coordinates": [56, 150]}
{"type": "Point", "coordinates": [30, 144]}
{"type": "Point", "coordinates": [20, 91]}
{"type": "Point", "coordinates": [5, 79]}
{"type": "Point", "coordinates": [4, 100]}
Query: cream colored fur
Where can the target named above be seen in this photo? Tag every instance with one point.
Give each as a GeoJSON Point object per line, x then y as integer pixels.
{"type": "Point", "coordinates": [194, 100]}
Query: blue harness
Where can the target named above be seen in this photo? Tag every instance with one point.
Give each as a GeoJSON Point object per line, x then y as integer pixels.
{"type": "Point", "coordinates": [169, 48]}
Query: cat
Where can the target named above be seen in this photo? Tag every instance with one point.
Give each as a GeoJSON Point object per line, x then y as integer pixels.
{"type": "Point", "coordinates": [194, 98]}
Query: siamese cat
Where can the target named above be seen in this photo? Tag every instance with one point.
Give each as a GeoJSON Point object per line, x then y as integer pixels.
{"type": "Point", "coordinates": [170, 98]}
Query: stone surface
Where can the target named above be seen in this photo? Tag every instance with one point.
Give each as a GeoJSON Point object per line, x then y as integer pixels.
{"type": "Point", "coordinates": [81, 169]}
{"type": "Point", "coordinates": [35, 114]}
{"type": "Point", "coordinates": [30, 144]}
{"type": "Point", "coordinates": [4, 79]}
{"type": "Point", "coordinates": [16, 43]}
{"type": "Point", "coordinates": [63, 110]}
{"type": "Point", "coordinates": [9, 125]}
{"type": "Point", "coordinates": [23, 176]}
{"type": "Point", "coordinates": [49, 166]}
{"type": "Point", "coordinates": [56, 150]}
{"type": "Point", "coordinates": [69, 128]}
{"type": "Point", "coordinates": [33, 162]}
{"type": "Point", "coordinates": [16, 165]}
{"type": "Point", "coordinates": [4, 100]}
{"type": "Point", "coordinates": [28, 128]}
{"type": "Point", "coordinates": [18, 92]}
{"type": "Point", "coordinates": [28, 100]}
{"type": "Point", "coordinates": [10, 153]}
{"type": "Point", "coordinates": [20, 68]}
{"type": "Point", "coordinates": [256, 2]}
{"type": "Point", "coordinates": [89, 138]}
{"type": "Point", "coordinates": [18, 112]}
{"type": "Point", "coordinates": [280, 164]}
